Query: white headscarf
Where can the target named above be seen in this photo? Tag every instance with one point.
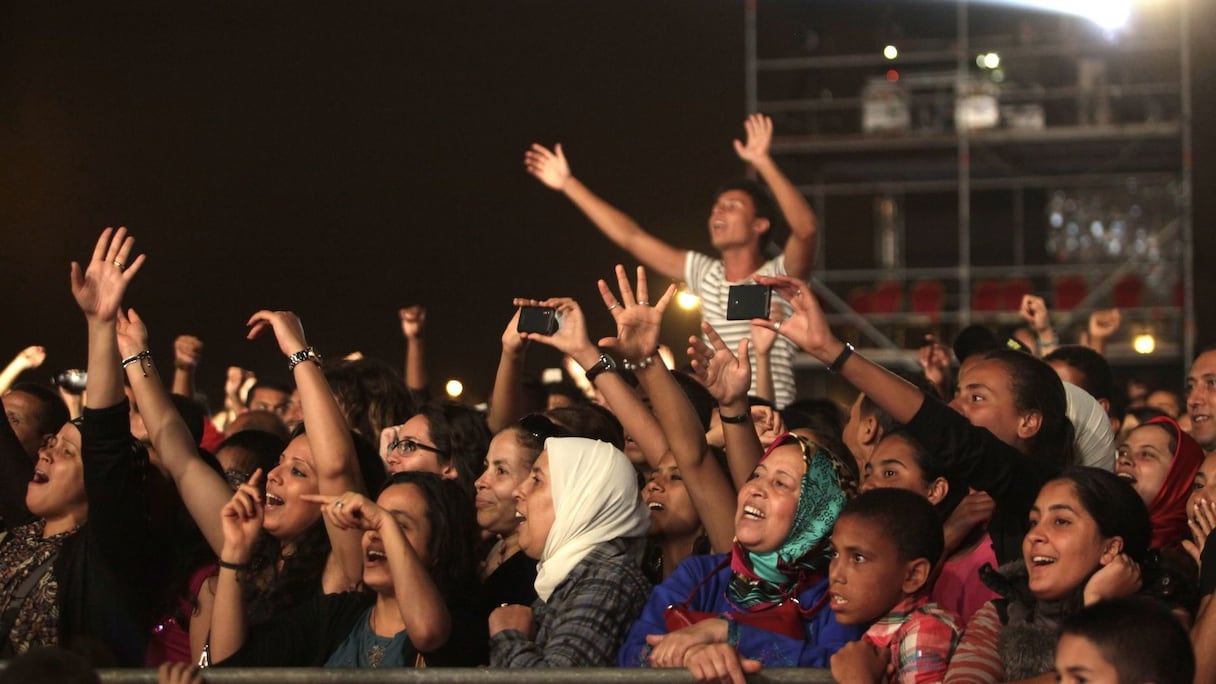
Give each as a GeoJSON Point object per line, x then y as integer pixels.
{"type": "Point", "coordinates": [595, 500]}
{"type": "Point", "coordinates": [1094, 442]}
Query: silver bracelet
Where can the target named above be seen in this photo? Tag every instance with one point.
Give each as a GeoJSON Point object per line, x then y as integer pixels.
{"type": "Point", "coordinates": [637, 365]}
{"type": "Point", "coordinates": [145, 355]}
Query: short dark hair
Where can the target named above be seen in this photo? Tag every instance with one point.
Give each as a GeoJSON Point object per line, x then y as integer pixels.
{"type": "Point", "coordinates": [266, 447]}
{"type": "Point", "coordinates": [762, 202]}
{"type": "Point", "coordinates": [814, 414]}
{"type": "Point", "coordinates": [52, 412]}
{"type": "Point", "coordinates": [270, 385]}
{"type": "Point", "coordinates": [886, 423]}
{"type": "Point", "coordinates": [906, 519]}
{"type": "Point", "coordinates": [591, 421]}
{"type": "Point", "coordinates": [1036, 387]}
{"type": "Point", "coordinates": [49, 665]}
{"type": "Point", "coordinates": [1139, 637]}
{"type": "Point", "coordinates": [372, 395]}
{"type": "Point", "coordinates": [931, 467]}
{"type": "Point", "coordinates": [1116, 508]}
{"type": "Point", "coordinates": [1095, 371]}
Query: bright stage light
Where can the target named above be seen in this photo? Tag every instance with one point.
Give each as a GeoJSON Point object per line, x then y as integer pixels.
{"type": "Point", "coordinates": [687, 300]}
{"type": "Point", "coordinates": [454, 388]}
{"type": "Point", "coordinates": [1144, 343]}
{"type": "Point", "coordinates": [890, 52]}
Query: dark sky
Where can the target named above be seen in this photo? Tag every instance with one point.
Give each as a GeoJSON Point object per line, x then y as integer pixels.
{"type": "Point", "coordinates": [343, 160]}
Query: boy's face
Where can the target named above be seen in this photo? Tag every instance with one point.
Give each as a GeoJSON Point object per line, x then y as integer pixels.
{"type": "Point", "coordinates": [1079, 660]}
{"type": "Point", "coordinates": [867, 576]}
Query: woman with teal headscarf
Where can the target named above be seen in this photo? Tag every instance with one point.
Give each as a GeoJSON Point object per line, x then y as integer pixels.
{"type": "Point", "coordinates": [765, 603]}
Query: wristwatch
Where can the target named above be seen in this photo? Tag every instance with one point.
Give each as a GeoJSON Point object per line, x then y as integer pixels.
{"type": "Point", "coordinates": [606, 364]}
{"type": "Point", "coordinates": [306, 354]}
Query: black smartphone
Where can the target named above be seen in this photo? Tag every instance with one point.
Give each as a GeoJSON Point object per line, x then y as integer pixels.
{"type": "Point", "coordinates": [537, 319]}
{"type": "Point", "coordinates": [745, 302]}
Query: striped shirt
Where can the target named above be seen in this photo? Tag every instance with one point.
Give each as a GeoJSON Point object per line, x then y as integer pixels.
{"type": "Point", "coordinates": [977, 660]}
{"type": "Point", "coordinates": [706, 277]}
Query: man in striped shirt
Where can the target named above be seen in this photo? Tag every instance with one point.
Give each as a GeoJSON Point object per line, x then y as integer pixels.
{"type": "Point", "coordinates": [739, 225]}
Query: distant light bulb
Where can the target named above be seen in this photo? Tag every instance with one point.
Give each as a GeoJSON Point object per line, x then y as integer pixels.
{"type": "Point", "coordinates": [1144, 343]}
{"type": "Point", "coordinates": [992, 60]}
{"type": "Point", "coordinates": [454, 388]}
{"type": "Point", "coordinates": [687, 300]}
{"type": "Point", "coordinates": [890, 52]}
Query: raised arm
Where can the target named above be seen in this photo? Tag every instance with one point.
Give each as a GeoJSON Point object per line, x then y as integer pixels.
{"type": "Point", "coordinates": [203, 491]}
{"type": "Point", "coordinates": [413, 325]}
{"type": "Point", "coordinates": [727, 377]}
{"type": "Point", "coordinates": [552, 169]}
{"type": "Point", "coordinates": [800, 248]}
{"type": "Point", "coordinates": [426, 617]}
{"type": "Point", "coordinates": [571, 339]}
{"type": "Point", "coordinates": [1034, 312]}
{"type": "Point", "coordinates": [507, 397]}
{"type": "Point", "coordinates": [637, 340]}
{"type": "Point", "coordinates": [187, 352]}
{"type": "Point", "coordinates": [27, 359]}
{"type": "Point", "coordinates": [98, 290]}
{"type": "Point", "coordinates": [333, 449]}
{"type": "Point", "coordinates": [242, 522]}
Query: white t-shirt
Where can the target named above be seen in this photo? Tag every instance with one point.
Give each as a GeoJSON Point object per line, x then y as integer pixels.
{"type": "Point", "coordinates": [706, 277]}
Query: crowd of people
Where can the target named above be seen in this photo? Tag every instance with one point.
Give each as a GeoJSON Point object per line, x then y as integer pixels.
{"type": "Point", "coordinates": [1004, 518]}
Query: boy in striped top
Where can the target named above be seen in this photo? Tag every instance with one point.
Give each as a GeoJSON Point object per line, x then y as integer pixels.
{"type": "Point", "coordinates": [739, 226]}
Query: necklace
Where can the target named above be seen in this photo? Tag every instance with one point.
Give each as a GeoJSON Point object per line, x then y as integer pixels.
{"type": "Point", "coordinates": [504, 549]}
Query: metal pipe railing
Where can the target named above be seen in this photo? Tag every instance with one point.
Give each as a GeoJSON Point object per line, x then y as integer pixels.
{"type": "Point", "coordinates": [484, 675]}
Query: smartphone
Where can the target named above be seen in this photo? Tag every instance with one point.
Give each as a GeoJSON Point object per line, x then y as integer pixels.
{"type": "Point", "coordinates": [745, 302]}
{"type": "Point", "coordinates": [537, 319]}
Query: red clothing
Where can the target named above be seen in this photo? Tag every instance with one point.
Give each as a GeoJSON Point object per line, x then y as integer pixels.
{"type": "Point", "coordinates": [959, 587]}
{"type": "Point", "coordinates": [170, 642]}
{"type": "Point", "coordinates": [1168, 510]}
{"type": "Point", "coordinates": [921, 638]}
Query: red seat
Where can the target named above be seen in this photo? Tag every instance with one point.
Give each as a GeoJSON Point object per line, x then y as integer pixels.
{"type": "Point", "coordinates": [1012, 292]}
{"type": "Point", "coordinates": [861, 300]}
{"type": "Point", "coordinates": [1128, 291]}
{"type": "Point", "coordinates": [1069, 291]}
{"type": "Point", "coordinates": [888, 297]}
{"type": "Point", "coordinates": [986, 296]}
{"type": "Point", "coordinates": [927, 297]}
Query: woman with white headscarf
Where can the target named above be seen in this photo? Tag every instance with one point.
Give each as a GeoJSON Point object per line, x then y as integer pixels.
{"type": "Point", "coordinates": [581, 517]}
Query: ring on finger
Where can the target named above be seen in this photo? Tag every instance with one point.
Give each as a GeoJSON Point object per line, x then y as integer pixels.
{"type": "Point", "coordinates": [121, 266]}
{"type": "Point", "coordinates": [339, 504]}
{"type": "Point", "coordinates": [777, 326]}
{"type": "Point", "coordinates": [613, 307]}
{"type": "Point", "coordinates": [643, 303]}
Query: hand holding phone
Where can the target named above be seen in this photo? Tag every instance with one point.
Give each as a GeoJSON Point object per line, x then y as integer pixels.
{"type": "Point", "coordinates": [745, 302]}
{"type": "Point", "coordinates": [537, 319]}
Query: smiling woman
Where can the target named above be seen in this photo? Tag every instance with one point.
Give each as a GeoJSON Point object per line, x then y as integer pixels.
{"type": "Point", "coordinates": [766, 599]}
{"type": "Point", "coordinates": [1161, 461]}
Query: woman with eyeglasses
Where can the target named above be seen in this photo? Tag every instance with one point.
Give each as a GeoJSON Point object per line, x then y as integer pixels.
{"type": "Point", "coordinates": [444, 438]}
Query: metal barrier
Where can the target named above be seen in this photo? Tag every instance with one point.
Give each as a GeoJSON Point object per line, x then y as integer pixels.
{"type": "Point", "coordinates": [482, 675]}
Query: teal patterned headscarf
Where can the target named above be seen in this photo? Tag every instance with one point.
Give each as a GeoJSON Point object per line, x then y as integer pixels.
{"type": "Point", "coordinates": [763, 579]}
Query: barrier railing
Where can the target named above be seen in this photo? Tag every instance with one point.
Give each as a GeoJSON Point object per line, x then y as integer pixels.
{"type": "Point", "coordinates": [219, 675]}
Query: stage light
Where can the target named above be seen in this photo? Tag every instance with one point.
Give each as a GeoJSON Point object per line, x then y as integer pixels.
{"type": "Point", "coordinates": [992, 60]}
{"type": "Point", "coordinates": [687, 300]}
{"type": "Point", "coordinates": [1144, 343]}
{"type": "Point", "coordinates": [890, 52]}
{"type": "Point", "coordinates": [1109, 14]}
{"type": "Point", "coordinates": [454, 388]}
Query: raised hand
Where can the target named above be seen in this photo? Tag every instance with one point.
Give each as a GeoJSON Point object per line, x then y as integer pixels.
{"type": "Point", "coordinates": [413, 321]}
{"type": "Point", "coordinates": [1104, 323]}
{"type": "Point", "coordinates": [351, 511]}
{"type": "Point", "coordinates": [549, 168]}
{"type": "Point", "coordinates": [286, 326]}
{"type": "Point", "coordinates": [759, 137]}
{"type": "Point", "coordinates": [98, 288]}
{"type": "Point", "coordinates": [241, 519]}
{"type": "Point", "coordinates": [1034, 311]}
{"type": "Point", "coordinates": [807, 327]}
{"type": "Point", "coordinates": [1202, 520]}
{"type": "Point", "coordinates": [934, 359]}
{"type": "Point", "coordinates": [726, 375]}
{"type": "Point", "coordinates": [638, 321]}
{"type": "Point", "coordinates": [132, 333]}
{"type": "Point", "coordinates": [187, 351]}
{"type": "Point", "coordinates": [31, 357]}
{"type": "Point", "coordinates": [1116, 579]}
{"type": "Point", "coordinates": [571, 336]}
{"type": "Point", "coordinates": [511, 339]}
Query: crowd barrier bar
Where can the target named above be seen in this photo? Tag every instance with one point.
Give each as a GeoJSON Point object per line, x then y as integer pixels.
{"type": "Point", "coordinates": [302, 675]}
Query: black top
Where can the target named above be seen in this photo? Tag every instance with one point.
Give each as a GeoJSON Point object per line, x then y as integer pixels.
{"type": "Point", "coordinates": [308, 634]}
{"type": "Point", "coordinates": [512, 582]}
{"type": "Point", "coordinates": [977, 457]}
{"type": "Point", "coordinates": [106, 568]}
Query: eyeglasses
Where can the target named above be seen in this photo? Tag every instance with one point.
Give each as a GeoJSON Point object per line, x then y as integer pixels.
{"type": "Point", "coordinates": [408, 445]}
{"type": "Point", "coordinates": [541, 427]}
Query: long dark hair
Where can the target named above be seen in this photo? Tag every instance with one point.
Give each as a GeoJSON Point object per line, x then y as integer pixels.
{"type": "Point", "coordinates": [1036, 387]}
{"type": "Point", "coordinates": [1116, 508]}
{"type": "Point", "coordinates": [461, 433]}
{"type": "Point", "coordinates": [454, 531]}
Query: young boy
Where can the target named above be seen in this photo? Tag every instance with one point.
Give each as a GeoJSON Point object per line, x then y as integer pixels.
{"type": "Point", "coordinates": [886, 543]}
{"type": "Point", "coordinates": [1124, 641]}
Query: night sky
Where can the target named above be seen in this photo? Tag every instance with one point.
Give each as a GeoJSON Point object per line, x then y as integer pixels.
{"type": "Point", "coordinates": [343, 160]}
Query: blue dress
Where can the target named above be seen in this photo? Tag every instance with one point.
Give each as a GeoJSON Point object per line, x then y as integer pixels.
{"type": "Point", "coordinates": [824, 636]}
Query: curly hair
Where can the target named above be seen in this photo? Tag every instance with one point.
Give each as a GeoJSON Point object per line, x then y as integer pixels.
{"type": "Point", "coordinates": [461, 433]}
{"type": "Point", "coordinates": [372, 395]}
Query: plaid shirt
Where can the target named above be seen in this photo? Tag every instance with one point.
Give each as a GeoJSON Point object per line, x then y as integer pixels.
{"type": "Point", "coordinates": [920, 636]}
{"type": "Point", "coordinates": [585, 619]}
